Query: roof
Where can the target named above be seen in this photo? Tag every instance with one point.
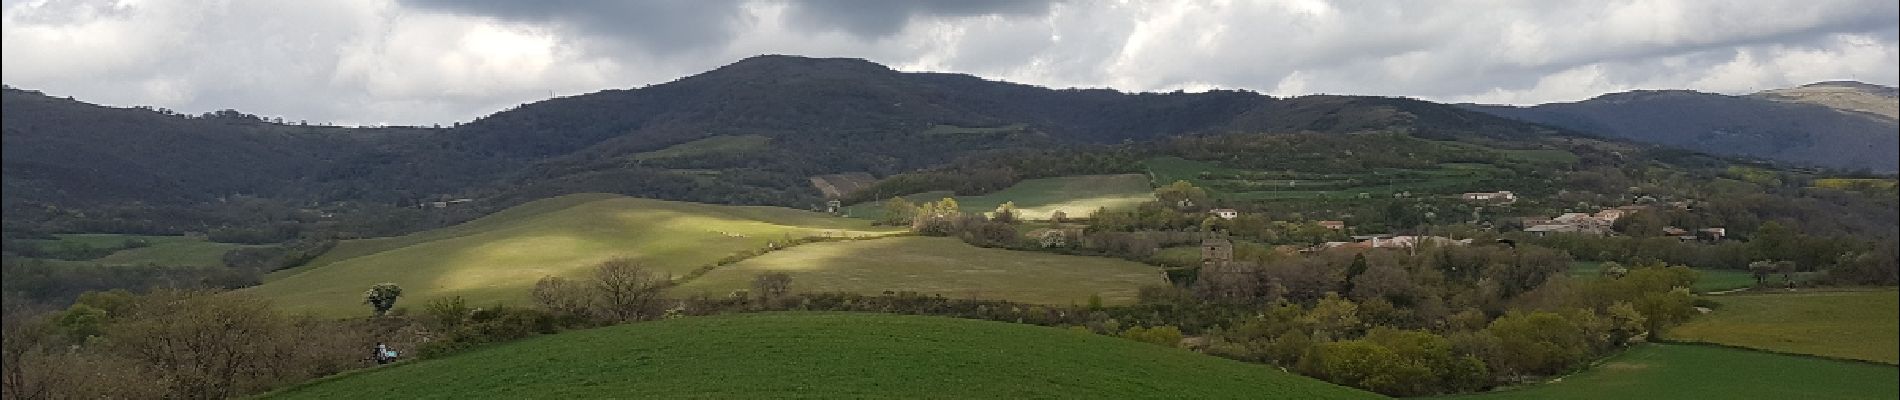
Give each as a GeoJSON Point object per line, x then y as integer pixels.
{"type": "Point", "coordinates": [1553, 228]}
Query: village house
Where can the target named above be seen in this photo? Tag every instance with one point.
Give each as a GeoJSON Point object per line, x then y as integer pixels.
{"type": "Point", "coordinates": [1498, 196]}
{"type": "Point", "coordinates": [1216, 252]}
{"type": "Point", "coordinates": [1225, 213]}
{"type": "Point", "coordinates": [1678, 233]}
{"type": "Point", "coordinates": [1713, 234]}
{"type": "Point", "coordinates": [1610, 215]}
{"type": "Point", "coordinates": [1333, 225]}
{"type": "Point", "coordinates": [1575, 222]}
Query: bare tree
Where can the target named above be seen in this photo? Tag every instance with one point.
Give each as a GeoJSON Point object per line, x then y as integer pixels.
{"type": "Point", "coordinates": [562, 296]}
{"type": "Point", "coordinates": [627, 289]}
{"type": "Point", "coordinates": [772, 285]}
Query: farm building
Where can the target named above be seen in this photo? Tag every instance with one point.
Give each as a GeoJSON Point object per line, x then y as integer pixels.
{"type": "Point", "coordinates": [1225, 213]}
{"type": "Point", "coordinates": [1498, 196]}
{"type": "Point", "coordinates": [1546, 229]}
{"type": "Point", "coordinates": [1333, 225]}
{"type": "Point", "coordinates": [1575, 222]}
{"type": "Point", "coordinates": [1216, 252]}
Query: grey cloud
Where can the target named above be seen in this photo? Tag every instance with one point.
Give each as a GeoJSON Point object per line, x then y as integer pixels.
{"type": "Point", "coordinates": [430, 61]}
{"type": "Point", "coordinates": [662, 27]}
{"type": "Point", "coordinates": [881, 18]}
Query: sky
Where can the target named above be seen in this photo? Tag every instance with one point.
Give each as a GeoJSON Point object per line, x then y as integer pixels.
{"type": "Point", "coordinates": [420, 62]}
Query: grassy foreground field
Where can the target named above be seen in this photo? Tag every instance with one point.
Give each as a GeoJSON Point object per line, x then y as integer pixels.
{"type": "Point", "coordinates": [1077, 196]}
{"type": "Point", "coordinates": [825, 356]}
{"type": "Point", "coordinates": [499, 257]}
{"type": "Point", "coordinates": [163, 250]}
{"type": "Point", "coordinates": [938, 265]}
{"type": "Point", "coordinates": [1681, 371]}
{"type": "Point", "coordinates": [1860, 325]}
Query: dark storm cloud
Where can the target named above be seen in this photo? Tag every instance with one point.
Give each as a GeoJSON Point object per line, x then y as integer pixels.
{"type": "Point", "coordinates": [442, 61]}
{"type": "Point", "coordinates": [659, 26]}
{"type": "Point", "coordinates": [878, 18]}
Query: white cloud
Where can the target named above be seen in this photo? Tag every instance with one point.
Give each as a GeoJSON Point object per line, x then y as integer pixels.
{"type": "Point", "coordinates": [384, 61]}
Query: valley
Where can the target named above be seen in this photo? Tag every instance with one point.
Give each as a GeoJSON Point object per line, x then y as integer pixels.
{"type": "Point", "coordinates": [787, 226]}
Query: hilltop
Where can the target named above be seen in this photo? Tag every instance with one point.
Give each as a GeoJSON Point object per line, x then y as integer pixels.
{"type": "Point", "coordinates": [752, 132]}
{"type": "Point", "coordinates": [1848, 96]}
{"type": "Point", "coordinates": [825, 355]}
{"type": "Point", "coordinates": [1804, 125]}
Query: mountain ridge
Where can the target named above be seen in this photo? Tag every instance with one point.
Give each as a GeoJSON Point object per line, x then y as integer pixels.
{"type": "Point", "coordinates": [1789, 130]}
{"type": "Point", "coordinates": [819, 116]}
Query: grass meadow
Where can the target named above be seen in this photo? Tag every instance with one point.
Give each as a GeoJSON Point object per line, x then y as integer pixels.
{"type": "Point", "coordinates": [824, 356]}
{"type": "Point", "coordinates": [1688, 371]}
{"type": "Point", "coordinates": [1859, 325]}
{"type": "Point", "coordinates": [938, 265]}
{"type": "Point", "coordinates": [498, 258]}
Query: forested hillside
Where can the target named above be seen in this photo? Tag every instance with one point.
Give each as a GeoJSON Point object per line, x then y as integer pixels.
{"type": "Point", "coordinates": [1767, 126]}
{"type": "Point", "coordinates": [150, 171]}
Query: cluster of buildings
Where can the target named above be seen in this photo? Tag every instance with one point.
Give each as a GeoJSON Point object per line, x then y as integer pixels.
{"type": "Point", "coordinates": [1391, 242]}
{"type": "Point", "coordinates": [1596, 224]}
{"type": "Point", "coordinates": [1229, 213]}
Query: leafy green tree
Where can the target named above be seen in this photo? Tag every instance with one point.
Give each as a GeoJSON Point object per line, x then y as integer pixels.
{"type": "Point", "coordinates": [1005, 213]}
{"type": "Point", "coordinates": [1333, 317]}
{"type": "Point", "coordinates": [1353, 270]}
{"type": "Point", "coordinates": [444, 314]}
{"type": "Point", "coordinates": [1772, 241]}
{"type": "Point", "coordinates": [381, 297]}
{"type": "Point", "coordinates": [1662, 309]}
{"type": "Point", "coordinates": [1165, 335]}
{"type": "Point", "coordinates": [1541, 343]}
{"type": "Point", "coordinates": [1183, 196]}
{"type": "Point", "coordinates": [898, 211]}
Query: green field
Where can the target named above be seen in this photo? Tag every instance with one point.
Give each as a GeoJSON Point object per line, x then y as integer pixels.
{"type": "Point", "coordinates": [1684, 371]}
{"type": "Point", "coordinates": [1850, 183]}
{"type": "Point", "coordinates": [1543, 156]}
{"type": "Point", "coordinates": [1861, 325]}
{"type": "Point", "coordinates": [953, 130]}
{"type": "Point", "coordinates": [1178, 256]}
{"type": "Point", "coordinates": [1707, 280]}
{"type": "Point", "coordinates": [722, 144]}
{"type": "Point", "coordinates": [1242, 184]}
{"type": "Point", "coordinates": [938, 265]}
{"type": "Point", "coordinates": [163, 250]}
{"type": "Point", "coordinates": [499, 257]}
{"type": "Point", "coordinates": [824, 356]}
{"type": "Point", "coordinates": [1077, 196]}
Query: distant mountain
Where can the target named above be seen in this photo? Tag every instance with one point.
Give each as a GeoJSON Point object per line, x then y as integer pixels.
{"type": "Point", "coordinates": [1850, 96]}
{"type": "Point", "coordinates": [78, 153]}
{"type": "Point", "coordinates": [801, 116]}
{"type": "Point", "coordinates": [1795, 131]}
